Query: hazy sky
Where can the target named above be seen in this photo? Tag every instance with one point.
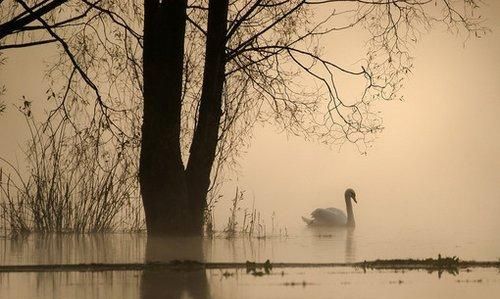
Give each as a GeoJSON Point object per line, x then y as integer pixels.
{"type": "Point", "coordinates": [437, 161]}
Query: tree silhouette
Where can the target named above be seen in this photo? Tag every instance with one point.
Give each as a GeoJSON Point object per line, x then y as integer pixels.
{"type": "Point", "coordinates": [202, 74]}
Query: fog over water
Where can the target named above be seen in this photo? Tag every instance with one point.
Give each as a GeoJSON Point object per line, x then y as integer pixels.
{"type": "Point", "coordinates": [432, 176]}
{"type": "Point", "coordinates": [435, 167]}
{"type": "Point", "coordinates": [428, 185]}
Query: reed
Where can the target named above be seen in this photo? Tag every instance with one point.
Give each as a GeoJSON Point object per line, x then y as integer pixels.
{"type": "Point", "coordinates": [73, 182]}
{"type": "Point", "coordinates": [250, 223]}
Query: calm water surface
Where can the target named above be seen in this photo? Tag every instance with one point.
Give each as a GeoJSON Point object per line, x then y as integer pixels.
{"type": "Point", "coordinates": [291, 283]}
{"type": "Point", "coordinates": [301, 245]}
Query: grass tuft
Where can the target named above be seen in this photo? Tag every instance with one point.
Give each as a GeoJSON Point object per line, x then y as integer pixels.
{"type": "Point", "coordinates": [72, 183]}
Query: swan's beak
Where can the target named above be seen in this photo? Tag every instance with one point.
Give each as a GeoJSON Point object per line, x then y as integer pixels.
{"type": "Point", "coordinates": [354, 198]}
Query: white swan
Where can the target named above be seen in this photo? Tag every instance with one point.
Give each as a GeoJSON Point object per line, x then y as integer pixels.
{"type": "Point", "coordinates": [333, 216]}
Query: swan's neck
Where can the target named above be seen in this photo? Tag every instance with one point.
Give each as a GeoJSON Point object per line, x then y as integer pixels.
{"type": "Point", "coordinates": [350, 213]}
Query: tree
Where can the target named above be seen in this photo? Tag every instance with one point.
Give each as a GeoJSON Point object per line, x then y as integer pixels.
{"type": "Point", "coordinates": [20, 17]}
{"type": "Point", "coordinates": [208, 73]}
{"type": "Point", "coordinates": [174, 196]}
{"type": "Point", "coordinates": [18, 20]}
{"type": "Point", "coordinates": [185, 189]}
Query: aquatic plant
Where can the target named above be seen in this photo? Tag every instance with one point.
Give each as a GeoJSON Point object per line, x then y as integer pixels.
{"type": "Point", "coordinates": [450, 265]}
{"type": "Point", "coordinates": [253, 223]}
{"type": "Point", "coordinates": [254, 268]}
{"type": "Point", "coordinates": [232, 223]}
{"type": "Point", "coordinates": [72, 183]}
{"type": "Point", "coordinates": [251, 267]}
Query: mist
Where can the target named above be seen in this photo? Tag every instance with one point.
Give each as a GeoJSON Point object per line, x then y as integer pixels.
{"type": "Point", "coordinates": [427, 189]}
{"type": "Point", "coordinates": [436, 163]}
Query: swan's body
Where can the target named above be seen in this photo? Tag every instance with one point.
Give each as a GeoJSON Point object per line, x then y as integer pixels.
{"type": "Point", "coordinates": [334, 216]}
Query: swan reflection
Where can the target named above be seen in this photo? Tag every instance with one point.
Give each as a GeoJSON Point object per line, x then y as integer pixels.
{"type": "Point", "coordinates": [339, 240]}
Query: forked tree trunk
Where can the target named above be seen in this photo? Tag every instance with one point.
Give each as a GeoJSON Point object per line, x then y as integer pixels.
{"type": "Point", "coordinates": [174, 198]}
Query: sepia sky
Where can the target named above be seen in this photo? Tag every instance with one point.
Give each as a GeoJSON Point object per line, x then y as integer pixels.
{"type": "Point", "coordinates": [436, 163]}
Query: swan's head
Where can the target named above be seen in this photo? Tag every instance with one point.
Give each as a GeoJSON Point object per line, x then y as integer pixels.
{"type": "Point", "coordinates": [350, 193]}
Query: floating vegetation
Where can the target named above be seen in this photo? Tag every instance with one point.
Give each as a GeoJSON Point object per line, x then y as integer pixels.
{"type": "Point", "coordinates": [293, 283]}
{"type": "Point", "coordinates": [470, 281]}
{"type": "Point", "coordinates": [324, 235]}
{"type": "Point", "coordinates": [449, 264]}
{"type": "Point", "coordinates": [260, 269]}
{"type": "Point", "coordinates": [254, 268]}
{"type": "Point", "coordinates": [446, 264]}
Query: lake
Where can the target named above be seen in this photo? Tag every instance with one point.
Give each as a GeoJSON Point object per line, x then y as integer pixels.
{"type": "Point", "coordinates": [300, 244]}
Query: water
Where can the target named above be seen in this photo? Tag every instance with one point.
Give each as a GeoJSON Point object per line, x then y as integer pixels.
{"type": "Point", "coordinates": [292, 283]}
{"type": "Point", "coordinates": [301, 245]}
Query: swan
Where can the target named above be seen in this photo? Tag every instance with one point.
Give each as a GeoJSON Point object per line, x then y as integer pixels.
{"type": "Point", "coordinates": [334, 216]}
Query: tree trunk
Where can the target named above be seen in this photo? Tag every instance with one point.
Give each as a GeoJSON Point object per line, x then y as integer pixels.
{"type": "Point", "coordinates": [175, 199]}
{"type": "Point", "coordinates": [161, 171]}
{"type": "Point", "coordinates": [203, 147]}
